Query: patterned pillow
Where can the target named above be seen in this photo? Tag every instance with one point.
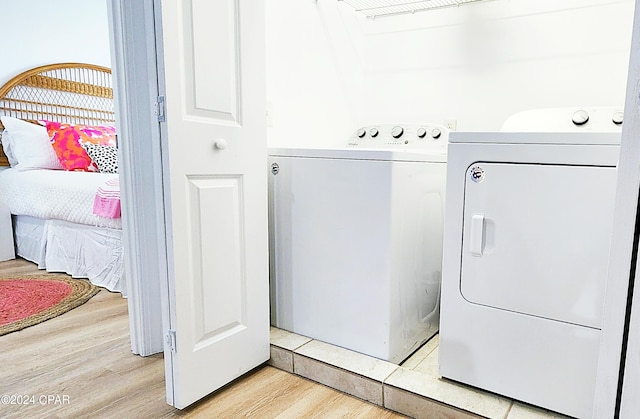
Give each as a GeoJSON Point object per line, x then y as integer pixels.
{"type": "Point", "coordinates": [104, 156]}
{"type": "Point", "coordinates": [68, 139]}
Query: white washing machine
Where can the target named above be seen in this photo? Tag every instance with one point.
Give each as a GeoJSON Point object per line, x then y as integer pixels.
{"type": "Point", "coordinates": [356, 239]}
{"type": "Point", "coordinates": [526, 246]}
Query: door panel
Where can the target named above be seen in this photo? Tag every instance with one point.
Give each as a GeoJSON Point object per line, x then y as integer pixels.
{"type": "Point", "coordinates": [218, 278]}
{"type": "Point", "coordinates": [536, 239]}
{"type": "Point", "coordinates": [217, 197]}
{"type": "Point", "coordinates": [211, 51]}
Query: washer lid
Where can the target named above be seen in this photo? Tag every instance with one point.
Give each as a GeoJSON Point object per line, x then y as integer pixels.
{"type": "Point", "coordinates": [571, 138]}
{"type": "Point", "coordinates": [359, 154]}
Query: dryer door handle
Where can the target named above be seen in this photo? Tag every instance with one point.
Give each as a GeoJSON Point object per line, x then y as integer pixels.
{"type": "Point", "coordinates": [477, 234]}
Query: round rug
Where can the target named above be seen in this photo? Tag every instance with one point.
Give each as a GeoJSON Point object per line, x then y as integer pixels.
{"type": "Point", "coordinates": [26, 300]}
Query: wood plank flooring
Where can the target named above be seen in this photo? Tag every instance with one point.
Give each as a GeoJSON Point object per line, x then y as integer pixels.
{"type": "Point", "coordinates": [83, 357]}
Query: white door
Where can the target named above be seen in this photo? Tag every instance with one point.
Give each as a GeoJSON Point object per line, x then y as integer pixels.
{"type": "Point", "coordinates": [536, 239]}
{"type": "Point", "coordinates": [216, 170]}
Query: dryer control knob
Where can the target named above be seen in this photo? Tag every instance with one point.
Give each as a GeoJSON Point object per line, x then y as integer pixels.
{"type": "Point", "coordinates": [617, 118]}
{"type": "Point", "coordinates": [373, 132]}
{"type": "Point", "coordinates": [361, 133]}
{"type": "Point", "coordinates": [421, 132]}
{"type": "Point", "coordinates": [580, 117]}
{"type": "Point", "coordinates": [397, 131]}
{"type": "Point", "coordinates": [436, 133]}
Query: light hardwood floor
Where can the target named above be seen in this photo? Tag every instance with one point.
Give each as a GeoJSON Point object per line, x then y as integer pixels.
{"type": "Point", "coordinates": [84, 358]}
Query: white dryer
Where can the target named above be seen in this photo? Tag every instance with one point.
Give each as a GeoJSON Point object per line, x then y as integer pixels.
{"type": "Point", "coordinates": [356, 239]}
{"type": "Point", "coordinates": [527, 235]}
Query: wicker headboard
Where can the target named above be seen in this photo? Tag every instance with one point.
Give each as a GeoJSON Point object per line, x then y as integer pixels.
{"type": "Point", "coordinates": [73, 93]}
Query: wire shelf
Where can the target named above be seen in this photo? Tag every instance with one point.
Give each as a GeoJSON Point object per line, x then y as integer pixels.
{"type": "Point", "coordinates": [377, 8]}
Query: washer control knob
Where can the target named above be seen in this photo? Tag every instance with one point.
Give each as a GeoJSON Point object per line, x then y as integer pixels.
{"type": "Point", "coordinates": [436, 133]}
{"type": "Point", "coordinates": [617, 118]}
{"type": "Point", "coordinates": [361, 133]}
{"type": "Point", "coordinates": [373, 132]}
{"type": "Point", "coordinates": [580, 117]}
{"type": "Point", "coordinates": [421, 132]}
{"type": "Point", "coordinates": [397, 131]}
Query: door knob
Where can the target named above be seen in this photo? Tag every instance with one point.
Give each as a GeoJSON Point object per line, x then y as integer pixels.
{"type": "Point", "coordinates": [220, 144]}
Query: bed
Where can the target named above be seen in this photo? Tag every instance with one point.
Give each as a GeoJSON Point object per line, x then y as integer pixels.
{"type": "Point", "coordinates": [58, 171]}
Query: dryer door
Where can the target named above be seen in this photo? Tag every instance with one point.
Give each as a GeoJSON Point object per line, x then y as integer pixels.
{"type": "Point", "coordinates": [536, 239]}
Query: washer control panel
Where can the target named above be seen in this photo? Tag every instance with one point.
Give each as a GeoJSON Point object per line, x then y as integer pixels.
{"type": "Point", "coordinates": [401, 136]}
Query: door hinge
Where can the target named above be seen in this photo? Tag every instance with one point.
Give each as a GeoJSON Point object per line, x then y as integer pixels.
{"type": "Point", "coordinates": [171, 340]}
{"type": "Point", "coordinates": [159, 111]}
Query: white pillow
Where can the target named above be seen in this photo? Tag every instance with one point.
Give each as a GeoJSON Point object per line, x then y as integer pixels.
{"type": "Point", "coordinates": [30, 145]}
{"type": "Point", "coordinates": [6, 141]}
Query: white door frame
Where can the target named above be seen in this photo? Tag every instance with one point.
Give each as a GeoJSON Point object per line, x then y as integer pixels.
{"type": "Point", "coordinates": [616, 392]}
{"type": "Point", "coordinates": [136, 78]}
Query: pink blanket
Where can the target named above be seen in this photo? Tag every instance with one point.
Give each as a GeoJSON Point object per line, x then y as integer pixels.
{"type": "Point", "coordinates": [107, 201]}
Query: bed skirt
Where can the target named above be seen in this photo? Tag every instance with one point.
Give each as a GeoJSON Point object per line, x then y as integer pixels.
{"type": "Point", "coordinates": [81, 251]}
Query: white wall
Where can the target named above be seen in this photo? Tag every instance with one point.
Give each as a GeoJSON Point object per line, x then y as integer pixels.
{"type": "Point", "coordinates": [482, 62]}
{"type": "Point", "coordinates": [314, 86]}
{"type": "Point", "coordinates": [39, 32]}
{"type": "Point", "coordinates": [331, 70]}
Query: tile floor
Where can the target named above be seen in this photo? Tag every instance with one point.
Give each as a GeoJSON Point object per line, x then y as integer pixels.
{"type": "Point", "coordinates": [413, 388]}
